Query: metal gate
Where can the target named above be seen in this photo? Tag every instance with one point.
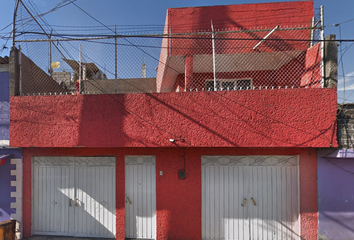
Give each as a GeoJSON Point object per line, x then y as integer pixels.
{"type": "Point", "coordinates": [250, 197]}
{"type": "Point", "coordinates": [140, 202]}
{"type": "Point", "coordinates": [74, 196]}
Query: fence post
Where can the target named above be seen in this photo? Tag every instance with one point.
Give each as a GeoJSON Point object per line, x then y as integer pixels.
{"type": "Point", "coordinates": [330, 61]}
{"type": "Point", "coordinates": [188, 72]}
{"type": "Point", "coordinates": [115, 60]}
{"type": "Point", "coordinates": [20, 70]}
{"type": "Point", "coordinates": [14, 69]}
{"type": "Point", "coordinates": [322, 47]}
{"type": "Point", "coordinates": [213, 43]}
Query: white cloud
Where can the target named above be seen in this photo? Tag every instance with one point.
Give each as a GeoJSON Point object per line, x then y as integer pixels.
{"type": "Point", "coordinates": [349, 82]}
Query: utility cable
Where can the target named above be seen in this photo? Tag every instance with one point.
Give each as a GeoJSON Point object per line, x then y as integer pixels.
{"type": "Point", "coordinates": [144, 51]}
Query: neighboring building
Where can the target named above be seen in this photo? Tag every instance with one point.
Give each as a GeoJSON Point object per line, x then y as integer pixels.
{"type": "Point", "coordinates": [10, 158]}
{"type": "Point", "coordinates": [335, 178]}
{"type": "Point", "coordinates": [195, 160]}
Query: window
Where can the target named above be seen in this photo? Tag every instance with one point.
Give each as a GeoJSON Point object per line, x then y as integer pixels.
{"type": "Point", "coordinates": [229, 84]}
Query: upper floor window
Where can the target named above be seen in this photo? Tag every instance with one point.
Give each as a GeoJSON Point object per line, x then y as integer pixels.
{"type": "Point", "coordinates": [229, 84]}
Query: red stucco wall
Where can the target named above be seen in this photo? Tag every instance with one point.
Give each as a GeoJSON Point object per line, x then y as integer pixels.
{"type": "Point", "coordinates": [179, 201]}
{"type": "Point", "coordinates": [235, 17]}
{"type": "Point", "coordinates": [242, 16]}
{"type": "Point", "coordinates": [308, 194]}
{"type": "Point", "coordinates": [313, 75]}
{"type": "Point", "coordinates": [251, 118]}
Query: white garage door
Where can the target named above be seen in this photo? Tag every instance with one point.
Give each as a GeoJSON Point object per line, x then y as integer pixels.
{"type": "Point", "coordinates": [74, 196]}
{"type": "Point", "coordinates": [250, 197]}
{"type": "Point", "coordinates": [140, 194]}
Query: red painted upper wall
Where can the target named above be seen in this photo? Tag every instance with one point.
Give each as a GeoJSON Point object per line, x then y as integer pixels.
{"type": "Point", "coordinates": [236, 17]}
{"type": "Point", "coordinates": [250, 118]}
{"type": "Point", "coordinates": [235, 53]}
{"type": "Point", "coordinates": [246, 16]}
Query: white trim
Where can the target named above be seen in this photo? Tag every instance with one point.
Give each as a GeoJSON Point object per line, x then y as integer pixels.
{"type": "Point", "coordinates": [17, 205]}
{"type": "Point", "coordinates": [4, 143]}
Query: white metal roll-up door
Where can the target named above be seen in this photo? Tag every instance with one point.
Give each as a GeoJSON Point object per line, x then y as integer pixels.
{"type": "Point", "coordinates": [74, 196]}
{"type": "Point", "coordinates": [250, 197]}
{"type": "Point", "coordinates": [140, 202]}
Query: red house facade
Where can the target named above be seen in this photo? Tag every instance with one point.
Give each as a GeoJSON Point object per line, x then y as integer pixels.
{"type": "Point", "coordinates": [237, 161]}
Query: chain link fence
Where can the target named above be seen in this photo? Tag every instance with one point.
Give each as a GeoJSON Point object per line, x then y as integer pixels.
{"type": "Point", "coordinates": [214, 60]}
{"type": "Point", "coordinates": [239, 60]}
{"type": "Point", "coordinates": [202, 61]}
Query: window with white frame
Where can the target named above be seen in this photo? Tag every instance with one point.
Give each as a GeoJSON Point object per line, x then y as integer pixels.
{"type": "Point", "coordinates": [228, 84]}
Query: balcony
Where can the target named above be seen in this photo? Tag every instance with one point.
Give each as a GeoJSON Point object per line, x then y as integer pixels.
{"type": "Point", "coordinates": [223, 60]}
{"type": "Point", "coordinates": [243, 92]}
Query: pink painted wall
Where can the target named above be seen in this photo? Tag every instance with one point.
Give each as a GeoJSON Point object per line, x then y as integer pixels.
{"type": "Point", "coordinates": [253, 118]}
{"type": "Point", "coordinates": [179, 201]}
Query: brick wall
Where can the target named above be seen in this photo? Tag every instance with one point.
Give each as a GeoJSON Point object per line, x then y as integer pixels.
{"type": "Point", "coordinates": [60, 77]}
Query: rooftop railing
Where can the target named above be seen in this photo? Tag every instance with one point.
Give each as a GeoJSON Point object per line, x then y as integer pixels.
{"type": "Point", "coordinates": [220, 60]}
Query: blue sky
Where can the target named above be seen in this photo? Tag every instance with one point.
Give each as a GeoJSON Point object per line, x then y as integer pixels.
{"type": "Point", "coordinates": [144, 12]}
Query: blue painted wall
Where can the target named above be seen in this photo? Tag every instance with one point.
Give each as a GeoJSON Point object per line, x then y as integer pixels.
{"type": "Point", "coordinates": [336, 195]}
{"type": "Point", "coordinates": [5, 170]}
{"type": "Point", "coordinates": [4, 106]}
{"type": "Point", "coordinates": [5, 183]}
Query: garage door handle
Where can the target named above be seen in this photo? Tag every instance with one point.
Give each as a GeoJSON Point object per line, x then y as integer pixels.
{"type": "Point", "coordinates": [244, 202]}
{"type": "Point", "coordinates": [254, 202]}
{"type": "Point", "coordinates": [69, 202]}
{"type": "Point", "coordinates": [76, 202]}
{"type": "Point", "coordinates": [129, 200]}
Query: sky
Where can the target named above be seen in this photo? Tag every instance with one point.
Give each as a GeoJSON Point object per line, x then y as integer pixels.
{"type": "Point", "coordinates": [153, 12]}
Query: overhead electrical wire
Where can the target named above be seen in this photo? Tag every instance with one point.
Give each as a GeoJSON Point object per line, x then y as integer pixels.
{"type": "Point", "coordinates": [179, 36]}
{"type": "Point", "coordinates": [160, 129]}
{"type": "Point", "coordinates": [139, 47]}
{"type": "Point", "coordinates": [143, 91]}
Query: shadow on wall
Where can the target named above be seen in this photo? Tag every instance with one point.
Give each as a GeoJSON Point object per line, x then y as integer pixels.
{"type": "Point", "coordinates": [223, 17]}
{"type": "Point", "coordinates": [103, 122]}
{"type": "Point", "coordinates": [28, 78]}
{"type": "Point", "coordinates": [147, 120]}
{"type": "Point", "coordinates": [35, 80]}
{"type": "Point", "coordinates": [335, 197]}
{"type": "Point", "coordinates": [201, 119]}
